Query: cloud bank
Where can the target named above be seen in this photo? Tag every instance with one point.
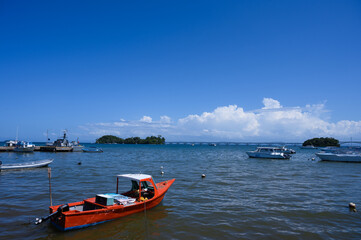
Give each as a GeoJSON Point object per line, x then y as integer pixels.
{"type": "Point", "coordinates": [272, 122]}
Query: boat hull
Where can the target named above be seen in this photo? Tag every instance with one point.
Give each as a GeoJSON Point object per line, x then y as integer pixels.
{"type": "Point", "coordinates": [252, 154]}
{"type": "Point", "coordinates": [78, 148]}
{"type": "Point", "coordinates": [356, 158]}
{"type": "Point", "coordinates": [35, 164]}
{"type": "Point", "coordinates": [74, 219]}
{"type": "Point", "coordinates": [24, 149]}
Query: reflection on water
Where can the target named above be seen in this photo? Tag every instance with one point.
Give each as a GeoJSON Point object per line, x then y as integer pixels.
{"type": "Point", "coordinates": [240, 198]}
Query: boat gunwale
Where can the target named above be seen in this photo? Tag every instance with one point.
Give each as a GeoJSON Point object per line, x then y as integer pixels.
{"type": "Point", "coordinates": [33, 164]}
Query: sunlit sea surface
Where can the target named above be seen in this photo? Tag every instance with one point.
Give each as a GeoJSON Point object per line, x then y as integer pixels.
{"type": "Point", "coordinates": [240, 198]}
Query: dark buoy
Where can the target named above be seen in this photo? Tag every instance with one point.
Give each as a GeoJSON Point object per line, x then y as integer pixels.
{"type": "Point", "coordinates": [352, 206]}
{"type": "Point", "coordinates": [203, 175]}
{"type": "Point", "coordinates": [79, 163]}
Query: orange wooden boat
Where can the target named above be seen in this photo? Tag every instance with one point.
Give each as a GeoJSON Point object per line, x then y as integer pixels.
{"type": "Point", "coordinates": [144, 194]}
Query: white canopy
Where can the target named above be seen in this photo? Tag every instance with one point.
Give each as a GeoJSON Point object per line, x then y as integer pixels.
{"type": "Point", "coordinates": [135, 176]}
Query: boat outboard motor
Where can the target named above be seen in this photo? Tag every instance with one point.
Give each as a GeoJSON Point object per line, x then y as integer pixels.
{"type": "Point", "coordinates": [62, 208]}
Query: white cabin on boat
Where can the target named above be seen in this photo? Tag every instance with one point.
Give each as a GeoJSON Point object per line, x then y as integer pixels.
{"type": "Point", "coordinates": [268, 152]}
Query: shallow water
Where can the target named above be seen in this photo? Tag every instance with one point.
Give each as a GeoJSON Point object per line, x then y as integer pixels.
{"type": "Point", "coordinates": [240, 198]}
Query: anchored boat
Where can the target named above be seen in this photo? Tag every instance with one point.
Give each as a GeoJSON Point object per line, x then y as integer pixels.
{"type": "Point", "coordinates": [143, 195]}
{"type": "Point", "coordinates": [340, 157]}
{"type": "Point", "coordinates": [34, 164]}
{"type": "Point", "coordinates": [268, 152]}
{"type": "Point", "coordinates": [24, 147]}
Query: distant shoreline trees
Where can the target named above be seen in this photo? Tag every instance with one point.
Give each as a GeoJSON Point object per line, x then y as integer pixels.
{"type": "Point", "coordinates": [132, 140]}
{"type": "Point", "coordinates": [321, 142]}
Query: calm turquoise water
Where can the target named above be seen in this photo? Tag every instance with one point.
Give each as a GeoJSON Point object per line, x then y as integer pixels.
{"type": "Point", "coordinates": [240, 198]}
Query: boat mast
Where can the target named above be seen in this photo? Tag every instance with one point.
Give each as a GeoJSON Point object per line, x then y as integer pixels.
{"type": "Point", "coordinates": [17, 133]}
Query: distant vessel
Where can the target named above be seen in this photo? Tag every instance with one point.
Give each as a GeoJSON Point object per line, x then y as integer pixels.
{"type": "Point", "coordinates": [340, 155]}
{"type": "Point", "coordinates": [60, 145]}
{"type": "Point", "coordinates": [62, 142]}
{"type": "Point", "coordinates": [24, 147]}
{"type": "Point", "coordinates": [268, 152]}
{"type": "Point", "coordinates": [11, 143]}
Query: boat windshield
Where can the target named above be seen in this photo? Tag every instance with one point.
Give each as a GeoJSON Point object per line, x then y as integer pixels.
{"type": "Point", "coordinates": [135, 185]}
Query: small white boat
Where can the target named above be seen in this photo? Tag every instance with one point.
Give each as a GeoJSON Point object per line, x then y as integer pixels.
{"type": "Point", "coordinates": [24, 147]}
{"type": "Point", "coordinates": [339, 157]}
{"type": "Point", "coordinates": [268, 152]}
{"type": "Point", "coordinates": [34, 164]}
{"type": "Point", "coordinates": [287, 150]}
{"type": "Point", "coordinates": [11, 143]}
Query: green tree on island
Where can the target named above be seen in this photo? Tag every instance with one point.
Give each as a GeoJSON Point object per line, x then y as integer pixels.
{"type": "Point", "coordinates": [322, 142]}
{"type": "Point", "coordinates": [110, 139]}
{"type": "Point", "coordinates": [131, 140]}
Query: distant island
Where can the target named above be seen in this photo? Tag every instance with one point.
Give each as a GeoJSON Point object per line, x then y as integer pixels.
{"type": "Point", "coordinates": [322, 142]}
{"type": "Point", "coordinates": [132, 140]}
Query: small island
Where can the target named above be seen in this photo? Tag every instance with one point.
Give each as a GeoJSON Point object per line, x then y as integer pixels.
{"type": "Point", "coordinates": [322, 142]}
{"type": "Point", "coordinates": [132, 140]}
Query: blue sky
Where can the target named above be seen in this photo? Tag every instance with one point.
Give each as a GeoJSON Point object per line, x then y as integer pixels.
{"type": "Point", "coordinates": [189, 70]}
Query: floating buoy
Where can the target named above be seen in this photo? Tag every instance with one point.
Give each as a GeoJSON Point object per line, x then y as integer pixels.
{"type": "Point", "coordinates": [79, 163]}
{"type": "Point", "coordinates": [203, 175]}
{"type": "Point", "coordinates": [161, 170]}
{"type": "Point", "coordinates": [352, 206]}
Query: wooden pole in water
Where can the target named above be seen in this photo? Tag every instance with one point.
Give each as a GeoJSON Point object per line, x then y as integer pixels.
{"type": "Point", "coordinates": [49, 175]}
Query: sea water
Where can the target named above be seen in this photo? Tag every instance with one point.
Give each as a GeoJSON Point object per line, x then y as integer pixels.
{"type": "Point", "coordinates": [240, 198]}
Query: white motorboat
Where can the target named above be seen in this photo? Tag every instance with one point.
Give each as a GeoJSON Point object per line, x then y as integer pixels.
{"type": "Point", "coordinates": [287, 150]}
{"type": "Point", "coordinates": [268, 152]}
{"type": "Point", "coordinates": [34, 164]}
{"type": "Point", "coordinates": [339, 157]}
{"type": "Point", "coordinates": [11, 143]}
{"type": "Point", "coordinates": [24, 147]}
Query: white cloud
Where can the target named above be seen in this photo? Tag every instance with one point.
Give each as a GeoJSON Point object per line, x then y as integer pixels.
{"type": "Point", "coordinates": [272, 122]}
{"type": "Point", "coordinates": [270, 103]}
{"type": "Point", "coordinates": [165, 119]}
{"type": "Point", "coordinates": [224, 122]}
{"type": "Point", "coordinates": [146, 119]}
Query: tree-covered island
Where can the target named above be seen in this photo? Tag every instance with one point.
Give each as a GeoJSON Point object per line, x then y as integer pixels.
{"type": "Point", "coordinates": [131, 140]}
{"type": "Point", "coordinates": [322, 142]}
